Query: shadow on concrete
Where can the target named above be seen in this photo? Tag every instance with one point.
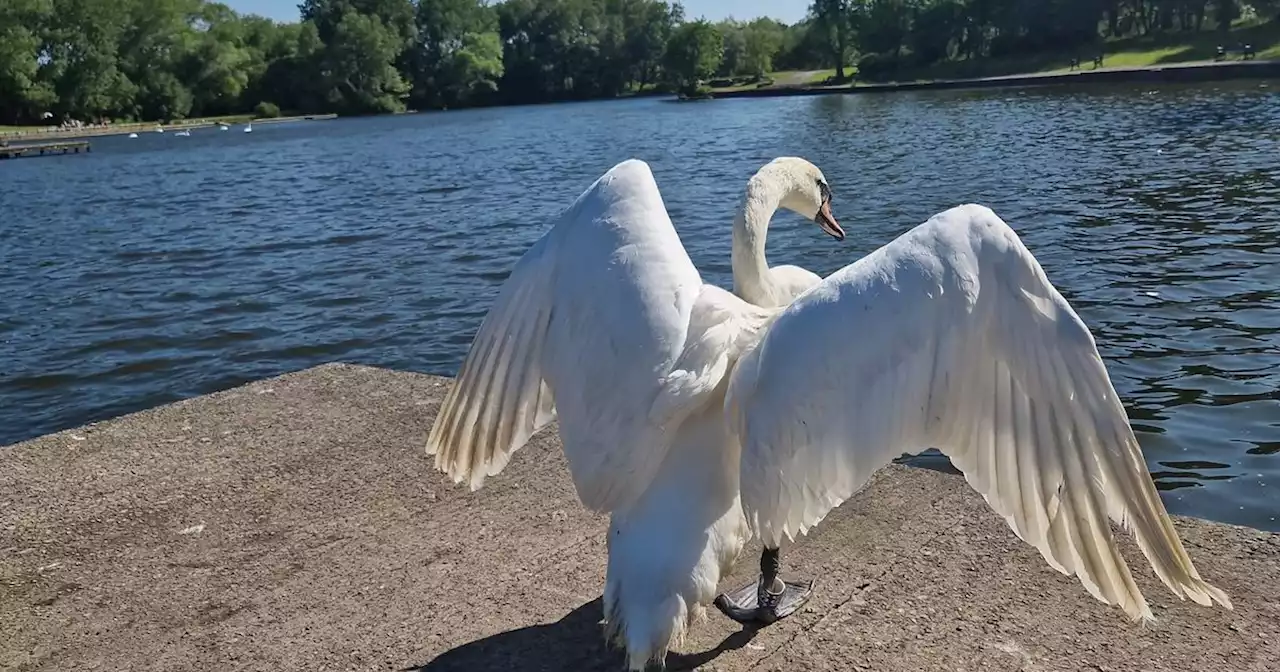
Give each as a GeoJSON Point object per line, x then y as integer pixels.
{"type": "Point", "coordinates": [575, 642]}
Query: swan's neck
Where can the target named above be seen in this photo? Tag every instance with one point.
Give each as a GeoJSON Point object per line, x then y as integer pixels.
{"type": "Point", "coordinates": [751, 279]}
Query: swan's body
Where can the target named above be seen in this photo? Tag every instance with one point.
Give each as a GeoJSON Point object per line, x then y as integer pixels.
{"type": "Point", "coordinates": [948, 336]}
{"type": "Point", "coordinates": [774, 185]}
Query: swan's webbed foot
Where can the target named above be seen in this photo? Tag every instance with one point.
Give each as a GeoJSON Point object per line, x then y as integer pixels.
{"type": "Point", "coordinates": [769, 599]}
{"type": "Point", "coordinates": [753, 604]}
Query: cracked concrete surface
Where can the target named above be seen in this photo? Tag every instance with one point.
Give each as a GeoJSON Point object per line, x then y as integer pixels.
{"type": "Point", "coordinates": [295, 524]}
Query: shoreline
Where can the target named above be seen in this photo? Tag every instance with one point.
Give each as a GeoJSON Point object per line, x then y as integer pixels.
{"type": "Point", "coordinates": [54, 133]}
{"type": "Point", "coordinates": [1198, 71]}
{"type": "Point", "coordinates": [294, 523]}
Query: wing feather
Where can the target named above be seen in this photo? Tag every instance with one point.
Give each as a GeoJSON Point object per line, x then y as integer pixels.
{"type": "Point", "coordinates": [589, 328]}
{"type": "Point", "coordinates": [952, 337]}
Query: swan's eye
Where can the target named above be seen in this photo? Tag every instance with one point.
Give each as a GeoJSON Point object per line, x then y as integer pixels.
{"type": "Point", "coordinates": [824, 190]}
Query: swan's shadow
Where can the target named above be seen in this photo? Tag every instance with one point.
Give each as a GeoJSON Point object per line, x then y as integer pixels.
{"type": "Point", "coordinates": [575, 642]}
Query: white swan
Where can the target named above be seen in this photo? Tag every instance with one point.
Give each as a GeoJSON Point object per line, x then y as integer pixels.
{"type": "Point", "coordinates": [783, 182]}
{"type": "Point", "coordinates": [672, 393]}
{"type": "Point", "coordinates": [248, 127]}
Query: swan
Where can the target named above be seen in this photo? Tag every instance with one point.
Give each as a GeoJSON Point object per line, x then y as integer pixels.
{"type": "Point", "coordinates": [248, 128]}
{"type": "Point", "coordinates": [783, 182]}
{"type": "Point", "coordinates": [696, 419]}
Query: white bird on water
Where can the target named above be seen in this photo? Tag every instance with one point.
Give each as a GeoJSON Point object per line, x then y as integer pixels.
{"type": "Point", "coordinates": [695, 418]}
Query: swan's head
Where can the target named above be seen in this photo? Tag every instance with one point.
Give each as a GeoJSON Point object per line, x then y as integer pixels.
{"type": "Point", "coordinates": [804, 190]}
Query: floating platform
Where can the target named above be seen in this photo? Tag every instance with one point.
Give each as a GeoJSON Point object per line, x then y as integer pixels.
{"type": "Point", "coordinates": [295, 524]}
{"type": "Point", "coordinates": [43, 149]}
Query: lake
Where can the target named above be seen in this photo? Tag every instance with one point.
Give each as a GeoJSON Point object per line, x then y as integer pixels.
{"type": "Point", "coordinates": [163, 267]}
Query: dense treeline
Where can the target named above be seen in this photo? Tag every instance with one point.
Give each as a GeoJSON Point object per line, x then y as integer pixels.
{"type": "Point", "coordinates": [888, 34]}
{"type": "Point", "coordinates": [170, 59]}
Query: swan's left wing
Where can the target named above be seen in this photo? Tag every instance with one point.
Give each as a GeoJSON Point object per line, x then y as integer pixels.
{"type": "Point", "coordinates": [952, 337]}
{"type": "Point", "coordinates": [591, 328]}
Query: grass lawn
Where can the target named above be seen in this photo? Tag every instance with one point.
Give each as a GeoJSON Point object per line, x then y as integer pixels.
{"type": "Point", "coordinates": [1129, 52]}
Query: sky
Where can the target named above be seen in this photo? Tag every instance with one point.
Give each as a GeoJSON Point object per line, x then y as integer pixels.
{"type": "Point", "coordinates": [789, 11]}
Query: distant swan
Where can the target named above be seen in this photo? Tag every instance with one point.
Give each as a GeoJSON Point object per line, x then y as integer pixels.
{"type": "Point", "coordinates": [248, 128]}
{"type": "Point", "coordinates": [133, 135]}
{"type": "Point", "coordinates": [223, 127]}
{"type": "Point", "coordinates": [694, 417]}
{"type": "Point", "coordinates": [182, 134]}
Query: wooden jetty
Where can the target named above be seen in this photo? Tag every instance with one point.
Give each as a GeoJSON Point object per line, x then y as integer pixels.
{"type": "Point", "coordinates": [43, 148]}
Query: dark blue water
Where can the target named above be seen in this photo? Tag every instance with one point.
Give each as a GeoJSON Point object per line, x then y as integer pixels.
{"type": "Point", "coordinates": [163, 267]}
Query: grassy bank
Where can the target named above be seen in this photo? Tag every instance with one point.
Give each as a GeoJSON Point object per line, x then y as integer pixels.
{"type": "Point", "coordinates": [54, 132]}
{"type": "Point", "coordinates": [1133, 52]}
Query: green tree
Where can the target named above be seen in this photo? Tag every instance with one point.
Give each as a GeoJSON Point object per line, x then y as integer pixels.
{"type": "Point", "coordinates": [763, 41]}
{"type": "Point", "coordinates": [734, 54]}
{"type": "Point", "coordinates": [358, 66]}
{"type": "Point", "coordinates": [834, 20]}
{"type": "Point", "coordinates": [693, 54]}
{"type": "Point", "coordinates": [457, 59]}
{"type": "Point", "coordinates": [22, 95]}
{"type": "Point", "coordinates": [648, 27]}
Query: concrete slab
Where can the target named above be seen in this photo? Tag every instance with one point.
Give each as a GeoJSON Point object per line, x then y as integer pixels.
{"type": "Point", "coordinates": [295, 524]}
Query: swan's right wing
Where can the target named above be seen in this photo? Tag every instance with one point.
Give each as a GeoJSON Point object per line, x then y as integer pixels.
{"type": "Point", "coordinates": [952, 337]}
{"type": "Point", "coordinates": [596, 315]}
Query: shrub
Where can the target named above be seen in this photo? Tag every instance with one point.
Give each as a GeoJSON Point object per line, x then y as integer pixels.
{"type": "Point", "coordinates": [877, 67]}
{"type": "Point", "coordinates": [266, 110]}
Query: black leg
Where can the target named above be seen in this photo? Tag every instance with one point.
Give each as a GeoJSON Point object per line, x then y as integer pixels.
{"type": "Point", "coordinates": [767, 600]}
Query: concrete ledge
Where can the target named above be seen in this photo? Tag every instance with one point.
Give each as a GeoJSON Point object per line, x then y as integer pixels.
{"type": "Point", "coordinates": [294, 524]}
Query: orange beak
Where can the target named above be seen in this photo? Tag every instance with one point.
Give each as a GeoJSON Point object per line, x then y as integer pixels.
{"type": "Point", "coordinates": [827, 221]}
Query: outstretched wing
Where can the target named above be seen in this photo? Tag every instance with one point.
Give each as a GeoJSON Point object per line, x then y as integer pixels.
{"type": "Point", "coordinates": [594, 315]}
{"type": "Point", "coordinates": [951, 336]}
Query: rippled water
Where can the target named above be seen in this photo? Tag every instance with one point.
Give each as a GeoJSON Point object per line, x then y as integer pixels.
{"type": "Point", "coordinates": [163, 267]}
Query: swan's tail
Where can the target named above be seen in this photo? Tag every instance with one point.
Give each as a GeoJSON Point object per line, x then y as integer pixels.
{"type": "Point", "coordinates": [668, 552]}
{"type": "Point", "coordinates": [499, 399]}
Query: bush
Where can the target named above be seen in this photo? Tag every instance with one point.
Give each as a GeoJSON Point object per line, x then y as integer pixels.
{"type": "Point", "coordinates": [700, 92]}
{"type": "Point", "coordinates": [265, 110]}
{"type": "Point", "coordinates": [877, 67]}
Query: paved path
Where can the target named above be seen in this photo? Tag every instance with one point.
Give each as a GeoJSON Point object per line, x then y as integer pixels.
{"type": "Point", "coordinates": [294, 524]}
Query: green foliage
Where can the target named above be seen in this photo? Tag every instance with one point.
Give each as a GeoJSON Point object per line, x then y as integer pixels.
{"type": "Point", "coordinates": [919, 33]}
{"type": "Point", "coordinates": [693, 54]}
{"type": "Point", "coordinates": [750, 47]}
{"type": "Point", "coordinates": [457, 58]}
{"type": "Point", "coordinates": [170, 59]}
{"type": "Point", "coordinates": [266, 110]}
{"type": "Point", "coordinates": [358, 69]}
